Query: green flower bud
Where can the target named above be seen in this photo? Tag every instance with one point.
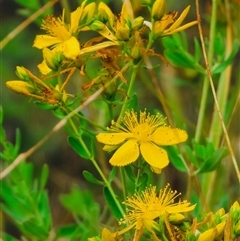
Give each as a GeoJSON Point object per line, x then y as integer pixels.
{"type": "Point", "coordinates": [159, 8]}
{"type": "Point", "coordinates": [21, 73]}
{"type": "Point", "coordinates": [137, 23]}
{"type": "Point", "coordinates": [135, 52]}
{"type": "Point", "coordinates": [123, 33]}
{"type": "Point", "coordinates": [97, 26]}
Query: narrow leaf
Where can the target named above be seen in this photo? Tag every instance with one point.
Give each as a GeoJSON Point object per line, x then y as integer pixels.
{"type": "Point", "coordinates": [111, 203]}
{"type": "Point", "coordinates": [78, 148]}
{"type": "Point", "coordinates": [89, 177]}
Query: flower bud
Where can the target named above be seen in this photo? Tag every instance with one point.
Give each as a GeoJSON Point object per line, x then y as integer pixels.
{"type": "Point", "coordinates": [97, 26]}
{"type": "Point", "coordinates": [137, 23]}
{"type": "Point", "coordinates": [135, 52]}
{"type": "Point", "coordinates": [20, 87]}
{"type": "Point", "coordinates": [48, 56]}
{"type": "Point", "coordinates": [220, 228]}
{"type": "Point", "coordinates": [22, 73]}
{"type": "Point", "coordinates": [159, 8]}
{"type": "Point", "coordinates": [123, 33]}
{"type": "Point", "coordinates": [176, 218]}
{"type": "Point", "coordinates": [208, 235]}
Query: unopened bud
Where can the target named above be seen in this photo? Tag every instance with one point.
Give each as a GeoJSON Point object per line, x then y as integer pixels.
{"type": "Point", "coordinates": [22, 73]}
{"type": "Point", "coordinates": [20, 87]}
{"type": "Point", "coordinates": [220, 228]}
{"type": "Point", "coordinates": [208, 235]}
{"type": "Point", "coordinates": [137, 23]}
{"type": "Point", "coordinates": [159, 8]}
{"type": "Point", "coordinates": [176, 218]}
{"type": "Point", "coordinates": [97, 26]}
{"type": "Point", "coordinates": [123, 33]}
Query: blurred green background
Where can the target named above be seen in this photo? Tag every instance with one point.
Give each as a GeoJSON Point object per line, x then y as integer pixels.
{"type": "Point", "coordinates": [181, 88]}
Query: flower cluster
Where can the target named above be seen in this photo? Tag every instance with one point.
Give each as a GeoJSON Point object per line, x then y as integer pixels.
{"type": "Point", "coordinates": [121, 38]}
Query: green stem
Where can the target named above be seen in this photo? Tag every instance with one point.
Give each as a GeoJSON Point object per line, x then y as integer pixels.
{"type": "Point", "coordinates": [129, 92]}
{"type": "Point", "coordinates": [206, 81]}
{"type": "Point", "coordinates": [206, 85]}
{"type": "Point", "coordinates": [98, 169]}
{"type": "Point", "coordinates": [216, 129]}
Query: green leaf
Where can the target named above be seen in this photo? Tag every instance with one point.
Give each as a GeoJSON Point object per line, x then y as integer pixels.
{"type": "Point", "coordinates": [220, 67]}
{"type": "Point", "coordinates": [78, 148]}
{"type": "Point", "coordinates": [7, 237]}
{"type": "Point", "coordinates": [142, 181]}
{"type": "Point", "coordinates": [81, 203]}
{"type": "Point", "coordinates": [111, 203]}
{"type": "Point", "coordinates": [44, 176]}
{"type": "Point", "coordinates": [45, 106]}
{"type": "Point", "coordinates": [129, 172]}
{"type": "Point", "coordinates": [198, 50]}
{"type": "Point", "coordinates": [89, 177]}
{"type": "Point", "coordinates": [211, 163]}
{"type": "Point", "coordinates": [67, 231]}
{"type": "Point", "coordinates": [112, 174]}
{"type": "Point", "coordinates": [192, 158]}
{"type": "Point", "coordinates": [132, 104]}
{"type": "Point", "coordinates": [176, 158]}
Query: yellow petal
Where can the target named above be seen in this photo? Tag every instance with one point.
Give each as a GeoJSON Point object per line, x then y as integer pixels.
{"type": "Point", "coordinates": [98, 46]}
{"type": "Point", "coordinates": [88, 12]}
{"type": "Point", "coordinates": [43, 68]}
{"type": "Point", "coordinates": [154, 155]}
{"type": "Point", "coordinates": [126, 154]}
{"type": "Point", "coordinates": [113, 138]}
{"type": "Point", "coordinates": [185, 26]}
{"type": "Point", "coordinates": [165, 136]}
{"type": "Point", "coordinates": [179, 21]}
{"type": "Point", "coordinates": [71, 48]}
{"type": "Point", "coordinates": [127, 12]}
{"type": "Point", "coordinates": [42, 41]}
{"type": "Point", "coordinates": [105, 14]}
{"type": "Point", "coordinates": [110, 148]}
{"type": "Point", "coordinates": [75, 18]}
{"type": "Point", "coordinates": [107, 235]}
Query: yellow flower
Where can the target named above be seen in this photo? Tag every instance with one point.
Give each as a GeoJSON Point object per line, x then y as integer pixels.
{"type": "Point", "coordinates": [141, 136]}
{"type": "Point", "coordinates": [61, 35]}
{"type": "Point", "coordinates": [170, 24]}
{"type": "Point", "coordinates": [144, 208]}
{"type": "Point", "coordinates": [118, 27]}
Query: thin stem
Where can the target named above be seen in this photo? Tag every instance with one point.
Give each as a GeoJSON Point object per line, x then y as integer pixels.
{"type": "Point", "coordinates": [204, 96]}
{"type": "Point", "coordinates": [25, 23]}
{"type": "Point", "coordinates": [129, 92]}
{"type": "Point", "coordinates": [23, 156]}
{"type": "Point", "coordinates": [215, 96]}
